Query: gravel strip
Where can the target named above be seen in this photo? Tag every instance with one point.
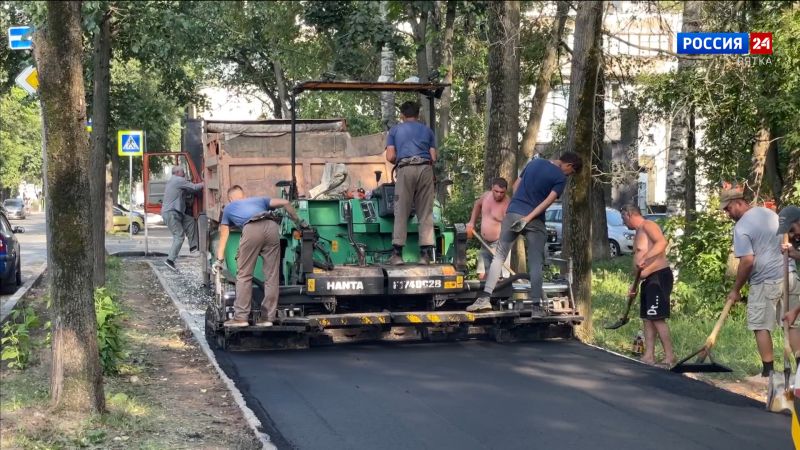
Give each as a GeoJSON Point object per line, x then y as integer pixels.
{"type": "Point", "coordinates": [190, 298]}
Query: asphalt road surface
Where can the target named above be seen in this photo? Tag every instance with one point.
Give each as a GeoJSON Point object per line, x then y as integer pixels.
{"type": "Point", "coordinates": [482, 395]}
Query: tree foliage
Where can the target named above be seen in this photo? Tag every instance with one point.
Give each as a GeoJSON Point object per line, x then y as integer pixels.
{"type": "Point", "coordinates": [20, 140]}
{"type": "Point", "coordinates": [735, 96]}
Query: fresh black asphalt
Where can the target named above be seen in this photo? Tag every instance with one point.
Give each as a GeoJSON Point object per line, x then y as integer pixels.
{"type": "Point", "coordinates": [483, 395]}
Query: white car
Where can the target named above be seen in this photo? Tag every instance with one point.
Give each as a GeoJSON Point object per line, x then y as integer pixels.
{"type": "Point", "coordinates": [620, 238]}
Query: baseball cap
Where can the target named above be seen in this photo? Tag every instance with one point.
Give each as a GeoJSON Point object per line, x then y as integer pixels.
{"type": "Point", "coordinates": [787, 217]}
{"type": "Point", "coordinates": [728, 195]}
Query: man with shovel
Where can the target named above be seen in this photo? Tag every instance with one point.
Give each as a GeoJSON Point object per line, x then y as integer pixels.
{"type": "Point", "coordinates": [757, 245]}
{"type": "Point", "coordinates": [540, 184]}
{"type": "Point", "coordinates": [491, 206]}
{"type": "Point", "coordinates": [650, 261]}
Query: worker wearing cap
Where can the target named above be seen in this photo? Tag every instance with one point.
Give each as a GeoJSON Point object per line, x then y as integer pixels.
{"type": "Point", "coordinates": [758, 247]}
{"type": "Point", "coordinates": [789, 223]}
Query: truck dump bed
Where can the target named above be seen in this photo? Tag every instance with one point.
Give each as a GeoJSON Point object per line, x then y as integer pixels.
{"type": "Point", "coordinates": [257, 154]}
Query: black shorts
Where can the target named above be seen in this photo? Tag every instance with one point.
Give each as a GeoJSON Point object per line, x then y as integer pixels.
{"type": "Point", "coordinates": [655, 291]}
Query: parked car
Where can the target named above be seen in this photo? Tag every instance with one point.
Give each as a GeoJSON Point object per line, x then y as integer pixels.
{"type": "Point", "coordinates": [122, 221]}
{"type": "Point", "coordinates": [126, 211]}
{"type": "Point", "coordinates": [10, 262]}
{"type": "Point", "coordinates": [15, 208]}
{"type": "Point", "coordinates": [620, 238]}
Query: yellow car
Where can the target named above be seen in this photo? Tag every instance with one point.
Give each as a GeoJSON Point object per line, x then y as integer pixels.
{"type": "Point", "coordinates": [122, 221]}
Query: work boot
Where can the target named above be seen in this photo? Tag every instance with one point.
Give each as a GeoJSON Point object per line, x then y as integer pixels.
{"type": "Point", "coordinates": [426, 255]}
{"type": "Point", "coordinates": [481, 304]}
{"type": "Point", "coordinates": [397, 256]}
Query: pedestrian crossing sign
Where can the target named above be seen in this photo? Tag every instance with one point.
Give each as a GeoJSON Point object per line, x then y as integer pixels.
{"type": "Point", "coordinates": [130, 143]}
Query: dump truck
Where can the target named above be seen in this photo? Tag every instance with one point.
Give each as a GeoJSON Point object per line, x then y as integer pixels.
{"type": "Point", "coordinates": [336, 284]}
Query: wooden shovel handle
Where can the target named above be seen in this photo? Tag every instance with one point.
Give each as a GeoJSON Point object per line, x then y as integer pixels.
{"type": "Point", "coordinates": [492, 252]}
{"type": "Point", "coordinates": [787, 348]}
{"type": "Point", "coordinates": [712, 338]}
{"type": "Point", "coordinates": [635, 290]}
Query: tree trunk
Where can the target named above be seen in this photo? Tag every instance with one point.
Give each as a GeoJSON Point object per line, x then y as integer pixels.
{"type": "Point", "coordinates": [600, 241]}
{"type": "Point", "coordinates": [76, 377]}
{"type": "Point", "coordinates": [577, 215]}
{"type": "Point", "coordinates": [503, 116]}
{"type": "Point", "coordinates": [772, 172]}
{"type": "Point", "coordinates": [277, 108]}
{"type": "Point", "coordinates": [283, 93]}
{"type": "Point", "coordinates": [388, 113]}
{"type": "Point", "coordinates": [625, 160]}
{"type": "Point", "coordinates": [473, 99]}
{"type": "Point", "coordinates": [97, 179]}
{"type": "Point", "coordinates": [115, 176]}
{"type": "Point", "coordinates": [759, 161]}
{"type": "Point", "coordinates": [690, 191]}
{"type": "Point", "coordinates": [546, 72]}
{"type": "Point", "coordinates": [677, 180]}
{"type": "Point", "coordinates": [109, 199]}
{"type": "Point", "coordinates": [443, 124]}
{"type": "Point", "coordinates": [419, 28]}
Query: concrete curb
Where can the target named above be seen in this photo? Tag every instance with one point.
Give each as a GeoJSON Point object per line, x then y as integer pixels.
{"type": "Point", "coordinates": [9, 305]}
{"type": "Point", "coordinates": [199, 335]}
{"type": "Point", "coordinates": [128, 254]}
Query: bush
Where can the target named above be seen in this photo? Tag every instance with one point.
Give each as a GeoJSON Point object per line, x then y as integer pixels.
{"type": "Point", "coordinates": [109, 330]}
{"type": "Point", "coordinates": [701, 257]}
{"type": "Point", "coordinates": [16, 341]}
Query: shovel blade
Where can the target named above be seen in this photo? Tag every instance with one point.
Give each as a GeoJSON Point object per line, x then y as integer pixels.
{"type": "Point", "coordinates": [779, 400]}
{"type": "Point", "coordinates": [709, 367]}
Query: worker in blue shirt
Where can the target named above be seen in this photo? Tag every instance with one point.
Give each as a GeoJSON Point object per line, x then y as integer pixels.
{"type": "Point", "coordinates": [260, 236]}
{"type": "Point", "coordinates": [411, 146]}
{"type": "Point", "coordinates": [540, 184]}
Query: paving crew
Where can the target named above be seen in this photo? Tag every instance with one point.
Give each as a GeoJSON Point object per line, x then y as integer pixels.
{"type": "Point", "coordinates": [260, 236]}
{"type": "Point", "coordinates": [650, 261]}
{"type": "Point", "coordinates": [540, 184]}
{"type": "Point", "coordinates": [491, 206]}
{"type": "Point", "coordinates": [174, 213]}
{"type": "Point", "coordinates": [411, 146]}
{"type": "Point", "coordinates": [757, 245]}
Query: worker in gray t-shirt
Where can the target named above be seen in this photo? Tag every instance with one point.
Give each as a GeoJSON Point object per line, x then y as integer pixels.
{"type": "Point", "coordinates": [173, 210]}
{"type": "Point", "coordinates": [758, 247]}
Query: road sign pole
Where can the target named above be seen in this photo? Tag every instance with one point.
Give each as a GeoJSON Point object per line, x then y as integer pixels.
{"type": "Point", "coordinates": [146, 242]}
{"type": "Point", "coordinates": [130, 195]}
{"type": "Point", "coordinates": [129, 143]}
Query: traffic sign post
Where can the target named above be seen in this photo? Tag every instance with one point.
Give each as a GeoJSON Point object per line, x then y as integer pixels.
{"type": "Point", "coordinates": [20, 38]}
{"type": "Point", "coordinates": [130, 143]}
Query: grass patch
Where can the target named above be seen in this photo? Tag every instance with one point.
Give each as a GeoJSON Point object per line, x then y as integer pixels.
{"type": "Point", "coordinates": [693, 317]}
{"type": "Point", "coordinates": [25, 396]}
{"type": "Point", "coordinates": [20, 392]}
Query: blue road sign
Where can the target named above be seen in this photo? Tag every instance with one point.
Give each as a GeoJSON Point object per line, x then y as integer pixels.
{"type": "Point", "coordinates": [129, 143]}
{"type": "Point", "coordinates": [20, 38]}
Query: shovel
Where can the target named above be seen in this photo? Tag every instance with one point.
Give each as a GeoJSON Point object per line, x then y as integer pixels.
{"type": "Point", "coordinates": [780, 396]}
{"type": "Point", "coordinates": [631, 296]}
{"type": "Point", "coordinates": [705, 351]}
{"type": "Point", "coordinates": [490, 250]}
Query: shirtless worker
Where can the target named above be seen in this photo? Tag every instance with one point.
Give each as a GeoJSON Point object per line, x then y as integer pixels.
{"type": "Point", "coordinates": [649, 257]}
{"type": "Point", "coordinates": [491, 207]}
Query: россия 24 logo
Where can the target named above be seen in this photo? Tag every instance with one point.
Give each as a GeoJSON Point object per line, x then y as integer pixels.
{"type": "Point", "coordinates": [724, 43]}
